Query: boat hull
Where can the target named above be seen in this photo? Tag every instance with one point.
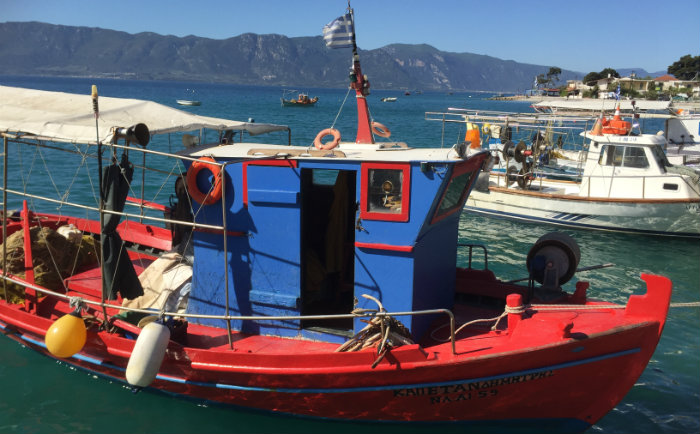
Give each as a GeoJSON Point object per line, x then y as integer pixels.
{"type": "Point", "coordinates": [575, 382]}
{"type": "Point", "coordinates": [654, 217]}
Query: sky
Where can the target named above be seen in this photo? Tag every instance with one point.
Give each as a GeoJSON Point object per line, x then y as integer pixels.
{"type": "Point", "coordinates": [584, 36]}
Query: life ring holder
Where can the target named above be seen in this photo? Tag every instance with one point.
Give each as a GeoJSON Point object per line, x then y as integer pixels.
{"type": "Point", "coordinates": [380, 130]}
{"type": "Point", "coordinates": [214, 195]}
{"type": "Point", "coordinates": [330, 145]}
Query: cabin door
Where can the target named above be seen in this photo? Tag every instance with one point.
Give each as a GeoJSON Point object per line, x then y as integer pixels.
{"type": "Point", "coordinates": [328, 205]}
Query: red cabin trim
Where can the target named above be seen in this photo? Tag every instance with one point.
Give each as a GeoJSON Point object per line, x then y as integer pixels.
{"type": "Point", "coordinates": [289, 163]}
{"type": "Point", "coordinates": [365, 214]}
{"type": "Point", "coordinates": [379, 246]}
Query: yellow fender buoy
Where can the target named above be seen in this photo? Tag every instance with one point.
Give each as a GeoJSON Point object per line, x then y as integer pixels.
{"type": "Point", "coordinates": [67, 335]}
{"type": "Point", "coordinates": [148, 354]}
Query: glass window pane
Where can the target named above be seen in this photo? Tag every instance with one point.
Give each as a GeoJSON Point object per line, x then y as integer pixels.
{"type": "Point", "coordinates": [635, 157]}
{"type": "Point", "coordinates": [384, 190]}
{"type": "Point", "coordinates": [454, 192]}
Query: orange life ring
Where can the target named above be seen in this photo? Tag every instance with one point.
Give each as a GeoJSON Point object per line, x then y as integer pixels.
{"type": "Point", "coordinates": [327, 132]}
{"type": "Point", "coordinates": [380, 130]}
{"type": "Point", "coordinates": [214, 194]}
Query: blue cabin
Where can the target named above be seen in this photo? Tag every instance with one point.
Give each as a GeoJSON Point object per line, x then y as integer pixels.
{"type": "Point", "coordinates": [309, 233]}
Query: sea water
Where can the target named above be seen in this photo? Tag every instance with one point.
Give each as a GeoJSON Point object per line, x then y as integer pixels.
{"type": "Point", "coordinates": [41, 395]}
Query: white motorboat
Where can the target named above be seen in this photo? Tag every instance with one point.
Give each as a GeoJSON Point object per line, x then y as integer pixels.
{"type": "Point", "coordinates": [625, 184]}
{"type": "Point", "coordinates": [683, 136]}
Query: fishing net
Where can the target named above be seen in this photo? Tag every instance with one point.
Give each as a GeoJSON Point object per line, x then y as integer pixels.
{"type": "Point", "coordinates": [54, 258]}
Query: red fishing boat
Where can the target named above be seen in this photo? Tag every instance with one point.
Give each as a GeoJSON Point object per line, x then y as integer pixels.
{"type": "Point", "coordinates": [318, 281]}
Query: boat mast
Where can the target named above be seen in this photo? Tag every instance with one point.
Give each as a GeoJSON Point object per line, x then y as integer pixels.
{"type": "Point", "coordinates": [360, 83]}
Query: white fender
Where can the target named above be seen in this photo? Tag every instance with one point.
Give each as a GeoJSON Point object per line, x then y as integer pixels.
{"type": "Point", "coordinates": [148, 354]}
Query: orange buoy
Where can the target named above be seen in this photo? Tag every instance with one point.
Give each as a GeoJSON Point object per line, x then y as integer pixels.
{"type": "Point", "coordinates": [380, 130]}
{"type": "Point", "coordinates": [198, 195]}
{"type": "Point", "coordinates": [327, 132]}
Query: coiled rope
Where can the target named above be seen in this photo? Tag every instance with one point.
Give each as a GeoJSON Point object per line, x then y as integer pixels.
{"type": "Point", "coordinates": [383, 331]}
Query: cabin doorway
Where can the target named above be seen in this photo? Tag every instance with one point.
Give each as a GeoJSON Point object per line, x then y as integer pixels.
{"type": "Point", "coordinates": [328, 207]}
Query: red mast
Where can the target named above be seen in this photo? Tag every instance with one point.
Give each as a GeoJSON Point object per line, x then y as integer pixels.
{"type": "Point", "coordinates": [360, 83]}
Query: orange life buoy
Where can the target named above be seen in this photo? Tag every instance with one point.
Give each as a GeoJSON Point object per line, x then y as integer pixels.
{"type": "Point", "coordinates": [380, 130]}
{"type": "Point", "coordinates": [215, 192]}
{"type": "Point", "coordinates": [327, 132]}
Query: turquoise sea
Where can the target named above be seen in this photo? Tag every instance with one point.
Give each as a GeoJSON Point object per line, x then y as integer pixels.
{"type": "Point", "coordinates": [44, 396]}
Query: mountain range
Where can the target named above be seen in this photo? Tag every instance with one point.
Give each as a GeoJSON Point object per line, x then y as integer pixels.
{"type": "Point", "coordinates": [33, 48]}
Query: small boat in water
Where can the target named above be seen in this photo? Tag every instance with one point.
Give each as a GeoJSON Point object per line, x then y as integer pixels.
{"type": "Point", "coordinates": [389, 99]}
{"type": "Point", "coordinates": [302, 99]}
{"type": "Point", "coordinates": [616, 181]}
{"type": "Point", "coordinates": [318, 281]}
{"type": "Point", "coordinates": [188, 102]}
{"type": "Point", "coordinates": [189, 99]}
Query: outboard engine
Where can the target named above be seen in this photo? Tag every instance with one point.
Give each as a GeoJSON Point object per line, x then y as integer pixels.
{"type": "Point", "coordinates": [552, 261]}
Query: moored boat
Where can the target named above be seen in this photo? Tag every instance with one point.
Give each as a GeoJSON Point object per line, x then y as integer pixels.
{"type": "Point", "coordinates": [615, 180]}
{"type": "Point", "coordinates": [255, 292]}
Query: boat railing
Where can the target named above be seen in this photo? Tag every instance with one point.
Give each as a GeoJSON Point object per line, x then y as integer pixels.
{"type": "Point", "coordinates": [365, 313]}
{"type": "Point", "coordinates": [471, 247]}
{"type": "Point", "coordinates": [585, 182]}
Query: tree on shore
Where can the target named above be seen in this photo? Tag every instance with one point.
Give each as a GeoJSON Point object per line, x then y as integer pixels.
{"type": "Point", "coordinates": [551, 76]}
{"type": "Point", "coordinates": [595, 76]}
{"type": "Point", "coordinates": [686, 68]}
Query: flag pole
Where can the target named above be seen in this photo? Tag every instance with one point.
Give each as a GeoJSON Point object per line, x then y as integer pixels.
{"type": "Point", "coordinates": [360, 83]}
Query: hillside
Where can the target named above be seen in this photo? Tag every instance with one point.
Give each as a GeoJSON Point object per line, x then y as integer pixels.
{"type": "Point", "coordinates": [32, 48]}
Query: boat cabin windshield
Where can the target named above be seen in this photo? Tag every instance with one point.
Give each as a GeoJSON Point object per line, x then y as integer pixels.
{"type": "Point", "coordinates": [660, 157]}
{"type": "Point", "coordinates": [623, 156]}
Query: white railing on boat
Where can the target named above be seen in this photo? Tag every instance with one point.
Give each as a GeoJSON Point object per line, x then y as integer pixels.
{"type": "Point", "coordinates": [585, 182]}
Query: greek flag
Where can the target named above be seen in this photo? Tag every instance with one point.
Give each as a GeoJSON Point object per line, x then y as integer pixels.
{"type": "Point", "coordinates": [340, 32]}
{"type": "Point", "coordinates": [617, 92]}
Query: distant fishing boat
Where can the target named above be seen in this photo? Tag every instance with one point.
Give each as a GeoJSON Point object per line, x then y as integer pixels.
{"type": "Point", "coordinates": [188, 102]}
{"type": "Point", "coordinates": [189, 99]}
{"type": "Point", "coordinates": [389, 99]}
{"type": "Point", "coordinates": [302, 99]}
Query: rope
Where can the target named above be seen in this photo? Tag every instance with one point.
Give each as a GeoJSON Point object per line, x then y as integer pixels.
{"type": "Point", "coordinates": [341, 108]}
{"type": "Point", "coordinates": [688, 304]}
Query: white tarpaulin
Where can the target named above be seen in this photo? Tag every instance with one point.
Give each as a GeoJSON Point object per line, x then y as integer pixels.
{"type": "Point", "coordinates": [68, 117]}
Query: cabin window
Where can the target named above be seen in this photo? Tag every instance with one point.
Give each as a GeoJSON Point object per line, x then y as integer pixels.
{"type": "Point", "coordinates": [385, 191]}
{"type": "Point", "coordinates": [660, 157]}
{"type": "Point", "coordinates": [457, 189]}
{"type": "Point", "coordinates": [623, 156]}
{"type": "Point", "coordinates": [635, 157]}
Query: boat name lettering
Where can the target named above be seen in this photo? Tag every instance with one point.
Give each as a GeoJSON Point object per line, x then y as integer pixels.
{"type": "Point", "coordinates": [468, 387]}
